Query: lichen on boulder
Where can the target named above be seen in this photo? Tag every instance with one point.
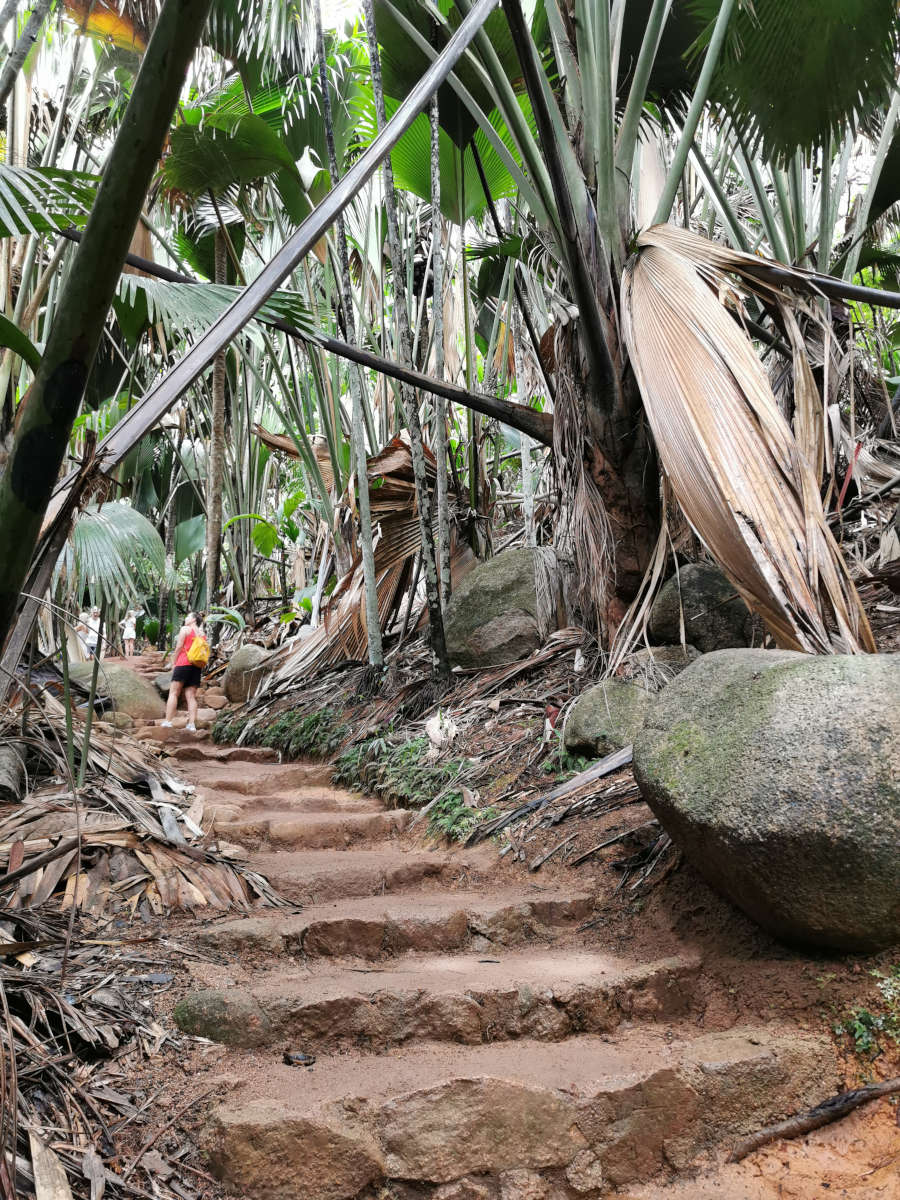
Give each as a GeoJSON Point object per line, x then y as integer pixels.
{"type": "Point", "coordinates": [715, 616]}
{"type": "Point", "coordinates": [503, 609]}
{"type": "Point", "coordinates": [606, 717]}
{"type": "Point", "coordinates": [779, 775]}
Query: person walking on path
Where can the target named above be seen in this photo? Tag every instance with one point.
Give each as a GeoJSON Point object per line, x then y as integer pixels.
{"type": "Point", "coordinates": [92, 634]}
{"type": "Point", "coordinates": [129, 631]}
{"type": "Point", "coordinates": [185, 675]}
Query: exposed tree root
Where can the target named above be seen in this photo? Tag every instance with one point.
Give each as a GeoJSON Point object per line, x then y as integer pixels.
{"type": "Point", "coordinates": [829, 1110]}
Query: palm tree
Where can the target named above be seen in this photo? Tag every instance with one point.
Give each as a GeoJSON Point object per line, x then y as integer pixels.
{"type": "Point", "coordinates": [588, 74]}
{"type": "Point", "coordinates": [46, 417]}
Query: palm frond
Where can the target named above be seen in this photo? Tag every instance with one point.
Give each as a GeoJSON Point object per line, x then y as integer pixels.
{"type": "Point", "coordinates": [113, 550]}
{"type": "Point", "coordinates": [192, 307]}
{"type": "Point", "coordinates": [730, 455]}
{"type": "Point", "coordinates": [460, 182]}
{"type": "Point", "coordinates": [794, 73]}
{"type": "Point", "coordinates": [43, 199]}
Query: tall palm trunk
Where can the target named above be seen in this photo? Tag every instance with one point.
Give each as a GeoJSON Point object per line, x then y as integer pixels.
{"type": "Point", "coordinates": [357, 429]}
{"type": "Point", "coordinates": [437, 309]}
{"type": "Point", "coordinates": [52, 403]}
{"type": "Point", "coordinates": [410, 399]}
{"type": "Point", "coordinates": [215, 475]}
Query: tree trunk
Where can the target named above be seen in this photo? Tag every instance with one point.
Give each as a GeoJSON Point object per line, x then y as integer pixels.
{"type": "Point", "coordinates": [410, 400]}
{"type": "Point", "coordinates": [163, 603]}
{"type": "Point", "coordinates": [437, 310]}
{"type": "Point", "coordinates": [51, 406]}
{"type": "Point", "coordinates": [610, 482]}
{"type": "Point", "coordinates": [25, 41]}
{"type": "Point", "coordinates": [215, 475]}
{"type": "Point", "coordinates": [357, 430]}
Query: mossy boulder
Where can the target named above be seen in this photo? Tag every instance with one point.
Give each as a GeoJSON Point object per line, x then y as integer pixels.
{"type": "Point", "coordinates": [245, 671]}
{"type": "Point", "coordinates": [779, 776]}
{"type": "Point", "coordinates": [715, 617]}
{"type": "Point", "coordinates": [606, 717]}
{"type": "Point", "coordinates": [502, 610]}
{"type": "Point", "coordinates": [129, 692]}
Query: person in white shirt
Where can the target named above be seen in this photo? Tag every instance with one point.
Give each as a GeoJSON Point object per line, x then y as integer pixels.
{"type": "Point", "coordinates": [129, 631]}
{"type": "Point", "coordinates": [92, 636]}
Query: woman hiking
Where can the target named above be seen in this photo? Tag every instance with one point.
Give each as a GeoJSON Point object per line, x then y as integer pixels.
{"type": "Point", "coordinates": [185, 673]}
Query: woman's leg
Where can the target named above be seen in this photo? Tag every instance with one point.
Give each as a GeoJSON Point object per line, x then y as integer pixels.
{"type": "Point", "coordinates": [129, 647]}
{"type": "Point", "coordinates": [190, 694]}
{"type": "Point", "coordinates": [172, 702]}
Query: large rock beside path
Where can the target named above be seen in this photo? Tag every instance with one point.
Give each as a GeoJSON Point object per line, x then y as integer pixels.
{"type": "Point", "coordinates": [606, 717]}
{"type": "Point", "coordinates": [246, 669]}
{"type": "Point", "coordinates": [503, 609]}
{"type": "Point", "coordinates": [129, 692]}
{"type": "Point", "coordinates": [715, 617]}
{"type": "Point", "coordinates": [779, 775]}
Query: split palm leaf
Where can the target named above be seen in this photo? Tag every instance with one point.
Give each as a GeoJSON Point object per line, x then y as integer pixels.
{"type": "Point", "coordinates": [735, 466]}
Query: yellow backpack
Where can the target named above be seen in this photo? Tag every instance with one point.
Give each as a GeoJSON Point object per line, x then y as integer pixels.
{"type": "Point", "coordinates": [198, 651]}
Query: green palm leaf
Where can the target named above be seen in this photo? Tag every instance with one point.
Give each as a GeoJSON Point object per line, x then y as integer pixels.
{"type": "Point", "coordinates": [113, 552]}
{"type": "Point", "coordinates": [403, 63]}
{"type": "Point", "coordinates": [190, 308]}
{"type": "Point", "coordinates": [794, 73]}
{"type": "Point", "coordinates": [222, 152]}
{"type": "Point", "coordinates": [411, 160]}
{"type": "Point", "coordinates": [42, 199]}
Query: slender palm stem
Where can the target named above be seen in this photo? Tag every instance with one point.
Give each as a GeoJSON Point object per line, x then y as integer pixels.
{"type": "Point", "coordinates": [437, 320]}
{"type": "Point", "coordinates": [357, 429]}
{"type": "Point", "coordinates": [692, 120]}
{"type": "Point", "coordinates": [410, 400]}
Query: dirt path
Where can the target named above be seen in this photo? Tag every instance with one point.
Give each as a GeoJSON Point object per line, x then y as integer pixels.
{"type": "Point", "coordinates": [477, 1033]}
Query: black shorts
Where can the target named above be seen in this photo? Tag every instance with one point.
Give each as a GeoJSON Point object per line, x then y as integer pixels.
{"type": "Point", "coordinates": [189, 676]}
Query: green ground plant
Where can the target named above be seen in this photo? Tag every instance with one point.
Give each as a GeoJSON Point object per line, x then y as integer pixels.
{"type": "Point", "coordinates": [871, 1028]}
{"type": "Point", "coordinates": [395, 769]}
{"type": "Point", "coordinates": [295, 733]}
{"type": "Point", "coordinates": [454, 819]}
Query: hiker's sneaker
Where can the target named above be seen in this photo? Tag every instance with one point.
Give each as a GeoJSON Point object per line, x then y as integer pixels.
{"type": "Point", "coordinates": [191, 727]}
{"type": "Point", "coordinates": [165, 724]}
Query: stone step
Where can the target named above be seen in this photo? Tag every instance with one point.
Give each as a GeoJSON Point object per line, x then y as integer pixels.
{"type": "Point", "coordinates": [378, 927]}
{"type": "Point", "coordinates": [306, 799]}
{"type": "Point", "coordinates": [211, 753]}
{"type": "Point", "coordinates": [314, 830]}
{"type": "Point", "coordinates": [170, 737]}
{"type": "Point", "coordinates": [517, 1119]}
{"type": "Point", "coordinates": [316, 876]}
{"type": "Point", "coordinates": [543, 994]}
{"type": "Point", "coordinates": [254, 778]}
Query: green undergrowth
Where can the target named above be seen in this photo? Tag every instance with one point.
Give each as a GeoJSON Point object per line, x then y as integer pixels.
{"type": "Point", "coordinates": [875, 1029]}
{"type": "Point", "coordinates": [401, 773]}
{"type": "Point", "coordinates": [296, 733]}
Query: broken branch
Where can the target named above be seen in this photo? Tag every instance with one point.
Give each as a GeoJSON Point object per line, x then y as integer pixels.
{"type": "Point", "coordinates": [829, 1110]}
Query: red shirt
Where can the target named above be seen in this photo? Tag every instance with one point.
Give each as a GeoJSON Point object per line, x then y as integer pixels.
{"type": "Point", "coordinates": [181, 658]}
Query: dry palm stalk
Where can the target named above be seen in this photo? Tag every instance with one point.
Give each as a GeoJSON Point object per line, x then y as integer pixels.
{"type": "Point", "coordinates": [734, 463]}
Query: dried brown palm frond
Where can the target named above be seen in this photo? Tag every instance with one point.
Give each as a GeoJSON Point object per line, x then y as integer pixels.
{"type": "Point", "coordinates": [733, 461]}
{"type": "Point", "coordinates": [342, 635]}
{"type": "Point", "coordinates": [131, 840]}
